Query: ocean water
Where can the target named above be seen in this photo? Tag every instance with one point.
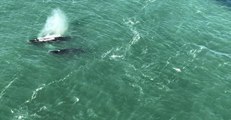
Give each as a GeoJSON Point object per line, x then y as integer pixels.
{"type": "Point", "coordinates": [143, 60]}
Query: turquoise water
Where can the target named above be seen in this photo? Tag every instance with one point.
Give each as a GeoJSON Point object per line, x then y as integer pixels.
{"type": "Point", "coordinates": [143, 60]}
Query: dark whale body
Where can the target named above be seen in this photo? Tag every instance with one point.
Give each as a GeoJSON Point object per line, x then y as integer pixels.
{"type": "Point", "coordinates": [67, 51]}
{"type": "Point", "coordinates": [51, 39]}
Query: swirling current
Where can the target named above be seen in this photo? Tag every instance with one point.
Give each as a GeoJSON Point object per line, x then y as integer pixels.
{"type": "Point", "coordinates": [142, 60]}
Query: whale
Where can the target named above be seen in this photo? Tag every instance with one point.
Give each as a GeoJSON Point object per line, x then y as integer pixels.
{"type": "Point", "coordinates": [67, 51]}
{"type": "Point", "coordinates": [50, 38]}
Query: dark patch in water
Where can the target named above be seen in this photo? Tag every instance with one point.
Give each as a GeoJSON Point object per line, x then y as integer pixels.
{"type": "Point", "coordinates": [225, 2]}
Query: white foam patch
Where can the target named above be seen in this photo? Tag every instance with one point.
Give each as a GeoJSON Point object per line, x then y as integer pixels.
{"type": "Point", "coordinates": [131, 22]}
{"type": "Point", "coordinates": [136, 36]}
{"type": "Point", "coordinates": [116, 57]}
{"type": "Point", "coordinates": [177, 69]}
{"type": "Point", "coordinates": [76, 99]}
{"type": "Point", "coordinates": [106, 53]}
{"type": "Point", "coordinates": [21, 114]}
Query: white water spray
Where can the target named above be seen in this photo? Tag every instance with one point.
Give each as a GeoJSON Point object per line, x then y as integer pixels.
{"type": "Point", "coordinates": [56, 24]}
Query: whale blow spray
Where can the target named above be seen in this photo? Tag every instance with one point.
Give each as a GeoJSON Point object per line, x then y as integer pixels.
{"type": "Point", "coordinates": [56, 24]}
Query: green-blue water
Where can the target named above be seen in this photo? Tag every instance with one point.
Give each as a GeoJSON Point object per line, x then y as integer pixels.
{"type": "Point", "coordinates": [143, 60]}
